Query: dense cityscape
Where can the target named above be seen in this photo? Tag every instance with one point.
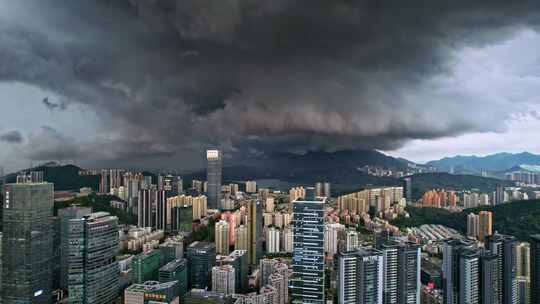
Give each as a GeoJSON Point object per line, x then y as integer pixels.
{"type": "Point", "coordinates": [269, 152]}
{"type": "Point", "coordinates": [164, 240]}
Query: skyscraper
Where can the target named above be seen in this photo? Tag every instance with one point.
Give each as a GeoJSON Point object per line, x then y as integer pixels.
{"type": "Point", "coordinates": [255, 229]}
{"type": "Point", "coordinates": [27, 243]}
{"type": "Point", "coordinates": [505, 249]}
{"type": "Point", "coordinates": [214, 178]}
{"type": "Point", "coordinates": [201, 258]}
{"type": "Point", "coordinates": [241, 238]}
{"type": "Point", "coordinates": [489, 278]}
{"type": "Point", "coordinates": [524, 272]}
{"type": "Point", "coordinates": [460, 272]}
{"type": "Point", "coordinates": [222, 237]}
{"type": "Point", "coordinates": [307, 285]}
{"type": "Point", "coordinates": [535, 268]}
{"type": "Point", "coordinates": [144, 208]}
{"type": "Point", "coordinates": [273, 240]}
{"type": "Point", "coordinates": [223, 279]}
{"type": "Point", "coordinates": [65, 215]}
{"type": "Point", "coordinates": [93, 270]}
{"type": "Point", "coordinates": [485, 225]}
{"type": "Point", "coordinates": [408, 189]}
{"type": "Point", "coordinates": [361, 277]}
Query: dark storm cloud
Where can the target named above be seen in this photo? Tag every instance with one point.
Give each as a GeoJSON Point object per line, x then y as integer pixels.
{"type": "Point", "coordinates": [52, 105]}
{"type": "Point", "coordinates": [12, 137]}
{"type": "Point", "coordinates": [266, 75]}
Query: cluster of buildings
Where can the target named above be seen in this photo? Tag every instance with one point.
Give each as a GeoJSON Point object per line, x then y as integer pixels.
{"type": "Point", "coordinates": [258, 250]}
{"type": "Point", "coordinates": [526, 175]}
{"type": "Point", "coordinates": [454, 200]}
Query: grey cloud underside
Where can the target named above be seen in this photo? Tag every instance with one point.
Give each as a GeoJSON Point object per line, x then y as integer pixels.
{"type": "Point", "coordinates": [13, 137]}
{"type": "Point", "coordinates": [170, 75]}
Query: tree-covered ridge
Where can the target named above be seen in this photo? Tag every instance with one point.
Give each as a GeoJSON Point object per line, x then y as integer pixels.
{"type": "Point", "coordinates": [520, 219]}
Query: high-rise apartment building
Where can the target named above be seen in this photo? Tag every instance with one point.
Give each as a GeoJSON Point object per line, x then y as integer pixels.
{"type": "Point", "coordinates": [535, 268]}
{"type": "Point", "coordinates": [201, 258]}
{"type": "Point", "coordinates": [273, 236]}
{"type": "Point", "coordinates": [93, 269]}
{"type": "Point", "coordinates": [27, 243]}
{"type": "Point", "coordinates": [489, 273]}
{"type": "Point", "coordinates": [331, 232]}
{"type": "Point", "coordinates": [485, 227]}
{"type": "Point", "coordinates": [65, 215]}
{"type": "Point", "coordinates": [461, 280]}
{"type": "Point", "coordinates": [524, 272]}
{"type": "Point", "coordinates": [255, 230]}
{"type": "Point", "coordinates": [241, 238]}
{"type": "Point", "coordinates": [473, 225]}
{"type": "Point", "coordinates": [307, 285]}
{"type": "Point", "coordinates": [223, 279]}
{"type": "Point", "coordinates": [361, 277]}
{"type": "Point", "coordinates": [505, 247]}
{"type": "Point", "coordinates": [222, 237]}
{"type": "Point", "coordinates": [214, 178]}
{"type": "Point", "coordinates": [239, 260]}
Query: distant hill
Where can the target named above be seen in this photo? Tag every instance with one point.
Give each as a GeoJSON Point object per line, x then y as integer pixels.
{"type": "Point", "coordinates": [494, 163]}
{"type": "Point", "coordinates": [64, 177]}
{"type": "Point", "coordinates": [427, 181]}
{"type": "Point", "coordinates": [520, 219]}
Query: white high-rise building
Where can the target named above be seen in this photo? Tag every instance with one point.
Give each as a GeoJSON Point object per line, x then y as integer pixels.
{"type": "Point", "coordinates": [331, 239]}
{"type": "Point", "coordinates": [223, 279]}
{"type": "Point", "coordinates": [351, 240]}
{"type": "Point", "coordinates": [287, 240]}
{"type": "Point", "coordinates": [272, 240]}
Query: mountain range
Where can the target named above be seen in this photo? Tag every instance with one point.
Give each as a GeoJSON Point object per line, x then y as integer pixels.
{"type": "Point", "coordinates": [499, 163]}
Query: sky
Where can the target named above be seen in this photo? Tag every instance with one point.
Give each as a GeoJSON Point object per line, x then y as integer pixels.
{"type": "Point", "coordinates": [152, 84]}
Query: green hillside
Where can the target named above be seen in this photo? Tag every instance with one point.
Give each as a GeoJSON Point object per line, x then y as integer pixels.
{"type": "Point", "coordinates": [63, 177]}
{"type": "Point", "coordinates": [519, 219]}
{"type": "Point", "coordinates": [99, 203]}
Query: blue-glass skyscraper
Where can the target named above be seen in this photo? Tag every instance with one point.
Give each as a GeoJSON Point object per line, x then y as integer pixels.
{"type": "Point", "coordinates": [307, 284]}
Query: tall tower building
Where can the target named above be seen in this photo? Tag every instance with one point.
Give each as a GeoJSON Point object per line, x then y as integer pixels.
{"type": "Point", "coordinates": [223, 279]}
{"type": "Point", "coordinates": [27, 243]}
{"type": "Point", "coordinates": [65, 215]}
{"type": "Point", "coordinates": [524, 272]}
{"type": "Point", "coordinates": [473, 225]}
{"type": "Point", "coordinates": [307, 285]}
{"type": "Point", "coordinates": [214, 178]}
{"type": "Point", "coordinates": [485, 227]}
{"type": "Point", "coordinates": [144, 208]}
{"type": "Point", "coordinates": [201, 258]}
{"type": "Point", "coordinates": [360, 276]}
{"type": "Point", "coordinates": [273, 240]}
{"type": "Point", "coordinates": [222, 237]}
{"type": "Point", "coordinates": [161, 214]}
{"type": "Point", "coordinates": [460, 272]}
{"type": "Point", "coordinates": [241, 238]}
{"type": "Point", "coordinates": [489, 278]}
{"type": "Point", "coordinates": [93, 270]}
{"type": "Point", "coordinates": [505, 247]}
{"type": "Point", "coordinates": [255, 229]}
{"type": "Point", "coordinates": [535, 268]}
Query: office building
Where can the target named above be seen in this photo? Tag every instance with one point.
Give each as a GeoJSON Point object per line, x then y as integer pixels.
{"type": "Point", "coordinates": [214, 178]}
{"type": "Point", "coordinates": [65, 215]}
{"type": "Point", "coordinates": [145, 266]}
{"type": "Point", "coordinates": [222, 237]}
{"type": "Point", "coordinates": [360, 276]}
{"type": "Point", "coordinates": [182, 218]}
{"type": "Point", "coordinates": [307, 285]}
{"type": "Point", "coordinates": [485, 227]}
{"type": "Point", "coordinates": [151, 292]}
{"type": "Point", "coordinates": [460, 272]}
{"type": "Point", "coordinates": [505, 247]}
{"type": "Point", "coordinates": [173, 248]}
{"type": "Point", "coordinates": [255, 231]}
{"type": "Point", "coordinates": [175, 271]}
{"type": "Point", "coordinates": [223, 279]}
{"type": "Point", "coordinates": [27, 243]}
{"type": "Point", "coordinates": [201, 258]}
{"type": "Point", "coordinates": [162, 215]}
{"type": "Point", "coordinates": [93, 269]}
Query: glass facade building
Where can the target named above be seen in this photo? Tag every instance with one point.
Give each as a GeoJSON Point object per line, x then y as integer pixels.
{"type": "Point", "coordinates": [93, 272]}
{"type": "Point", "coordinates": [201, 258]}
{"type": "Point", "coordinates": [213, 178]}
{"type": "Point", "coordinates": [307, 284]}
{"type": "Point", "coordinates": [27, 243]}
